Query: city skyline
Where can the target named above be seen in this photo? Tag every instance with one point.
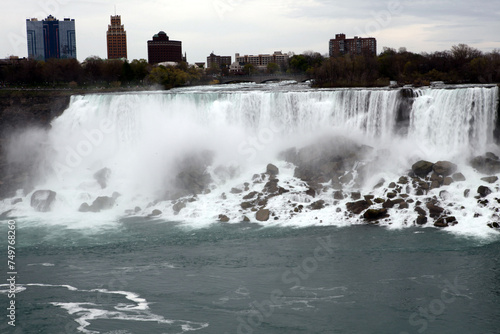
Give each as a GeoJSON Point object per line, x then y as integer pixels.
{"type": "Point", "coordinates": [230, 26]}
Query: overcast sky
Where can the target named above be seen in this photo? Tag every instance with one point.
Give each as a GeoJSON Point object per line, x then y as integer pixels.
{"type": "Point", "coordinates": [262, 26]}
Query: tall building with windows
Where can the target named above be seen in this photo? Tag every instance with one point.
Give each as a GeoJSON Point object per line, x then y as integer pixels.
{"type": "Point", "coordinates": [162, 49]}
{"type": "Point", "coordinates": [116, 39]}
{"type": "Point", "coordinates": [352, 46]}
{"type": "Point", "coordinates": [51, 38]}
{"type": "Point", "coordinates": [218, 61]}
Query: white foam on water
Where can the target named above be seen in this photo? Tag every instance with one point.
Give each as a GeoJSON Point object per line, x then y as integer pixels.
{"type": "Point", "coordinates": [86, 312]}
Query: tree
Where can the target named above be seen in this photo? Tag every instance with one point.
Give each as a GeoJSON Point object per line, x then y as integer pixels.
{"type": "Point", "coordinates": [272, 68]}
{"type": "Point", "coordinates": [249, 69]}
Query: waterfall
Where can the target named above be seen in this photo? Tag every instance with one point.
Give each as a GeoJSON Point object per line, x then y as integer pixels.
{"type": "Point", "coordinates": [134, 144]}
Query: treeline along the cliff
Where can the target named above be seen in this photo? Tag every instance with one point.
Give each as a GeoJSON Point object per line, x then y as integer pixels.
{"type": "Point", "coordinates": [460, 64]}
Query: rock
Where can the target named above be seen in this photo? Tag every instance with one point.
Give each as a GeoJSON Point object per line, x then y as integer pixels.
{"type": "Point", "coordinates": [177, 207]}
{"type": "Point", "coordinates": [458, 177]}
{"type": "Point", "coordinates": [262, 215]}
{"type": "Point", "coordinates": [466, 193]}
{"type": "Point", "coordinates": [84, 207]}
{"type": "Point", "coordinates": [250, 195]}
{"type": "Point", "coordinates": [357, 207]}
{"type": "Point", "coordinates": [447, 181]}
{"type": "Point", "coordinates": [246, 219]}
{"type": "Point", "coordinates": [488, 164]}
{"type": "Point", "coordinates": [355, 196]}
{"type": "Point", "coordinates": [444, 168]}
{"type": "Point", "coordinates": [434, 210]}
{"type": "Point", "coordinates": [347, 178]}
{"type": "Point", "coordinates": [491, 155]}
{"type": "Point", "coordinates": [271, 186]}
{"type": "Point", "coordinates": [445, 221]}
{"type": "Point", "coordinates": [318, 205]}
{"type": "Point", "coordinates": [391, 203]}
{"type": "Point", "coordinates": [102, 176]}
{"type": "Point", "coordinates": [272, 170]}
{"type": "Point", "coordinates": [311, 192]}
{"type": "Point", "coordinates": [392, 185]}
{"type": "Point", "coordinates": [403, 180]}
{"type": "Point", "coordinates": [404, 205]}
{"type": "Point", "coordinates": [420, 211]}
{"type": "Point", "coordinates": [223, 218]}
{"type": "Point", "coordinates": [236, 191]}
{"type": "Point", "coordinates": [246, 205]}
{"type": "Point", "coordinates": [155, 213]}
{"type": "Point", "coordinates": [103, 203]}
{"type": "Point", "coordinates": [422, 168]}
{"type": "Point", "coordinates": [494, 225]}
{"type": "Point", "coordinates": [490, 179]}
{"type": "Point", "coordinates": [444, 195]}
{"type": "Point", "coordinates": [391, 195]}
{"type": "Point", "coordinates": [42, 200]}
{"type": "Point", "coordinates": [483, 191]}
{"type": "Point", "coordinates": [193, 177]}
{"type": "Point", "coordinates": [434, 184]}
{"type": "Point", "coordinates": [375, 214]}
{"type": "Point", "coordinates": [421, 220]}
{"type": "Point", "coordinates": [338, 195]}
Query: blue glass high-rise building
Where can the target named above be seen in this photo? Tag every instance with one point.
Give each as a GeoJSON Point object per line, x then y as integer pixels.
{"type": "Point", "coordinates": [51, 38]}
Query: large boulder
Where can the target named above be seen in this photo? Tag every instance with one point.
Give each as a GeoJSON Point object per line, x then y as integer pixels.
{"type": "Point", "coordinates": [422, 168]}
{"type": "Point", "coordinates": [193, 178]}
{"type": "Point", "coordinates": [483, 191]}
{"type": "Point", "coordinates": [358, 207]}
{"type": "Point", "coordinates": [262, 215]}
{"type": "Point", "coordinates": [42, 200]}
{"type": "Point", "coordinates": [100, 203]}
{"type": "Point", "coordinates": [487, 164]}
{"type": "Point", "coordinates": [490, 179]}
{"type": "Point", "coordinates": [434, 210]}
{"type": "Point", "coordinates": [375, 214]}
{"type": "Point", "coordinates": [272, 170]}
{"type": "Point", "coordinates": [444, 168]}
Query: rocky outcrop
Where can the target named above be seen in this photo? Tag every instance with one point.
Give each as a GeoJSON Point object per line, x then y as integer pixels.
{"type": "Point", "coordinates": [42, 200]}
{"type": "Point", "coordinates": [330, 159]}
{"type": "Point", "coordinates": [19, 110]}
{"type": "Point", "coordinates": [488, 163]}
{"type": "Point", "coordinates": [100, 203]}
{"type": "Point", "coordinates": [422, 168]}
{"type": "Point", "coordinates": [193, 178]}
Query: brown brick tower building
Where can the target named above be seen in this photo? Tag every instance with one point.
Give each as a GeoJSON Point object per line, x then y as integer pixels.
{"type": "Point", "coordinates": [117, 39]}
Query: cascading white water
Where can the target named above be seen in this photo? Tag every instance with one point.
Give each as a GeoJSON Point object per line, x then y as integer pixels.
{"type": "Point", "coordinates": [142, 138]}
{"type": "Point", "coordinates": [455, 120]}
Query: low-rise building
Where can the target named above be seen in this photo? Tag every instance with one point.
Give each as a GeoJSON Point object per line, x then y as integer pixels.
{"type": "Point", "coordinates": [352, 46]}
{"type": "Point", "coordinates": [261, 61]}
{"type": "Point", "coordinates": [218, 61]}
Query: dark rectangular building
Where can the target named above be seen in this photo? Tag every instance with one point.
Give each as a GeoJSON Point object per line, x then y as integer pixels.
{"type": "Point", "coordinates": [162, 49]}
{"type": "Point", "coordinates": [352, 46]}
